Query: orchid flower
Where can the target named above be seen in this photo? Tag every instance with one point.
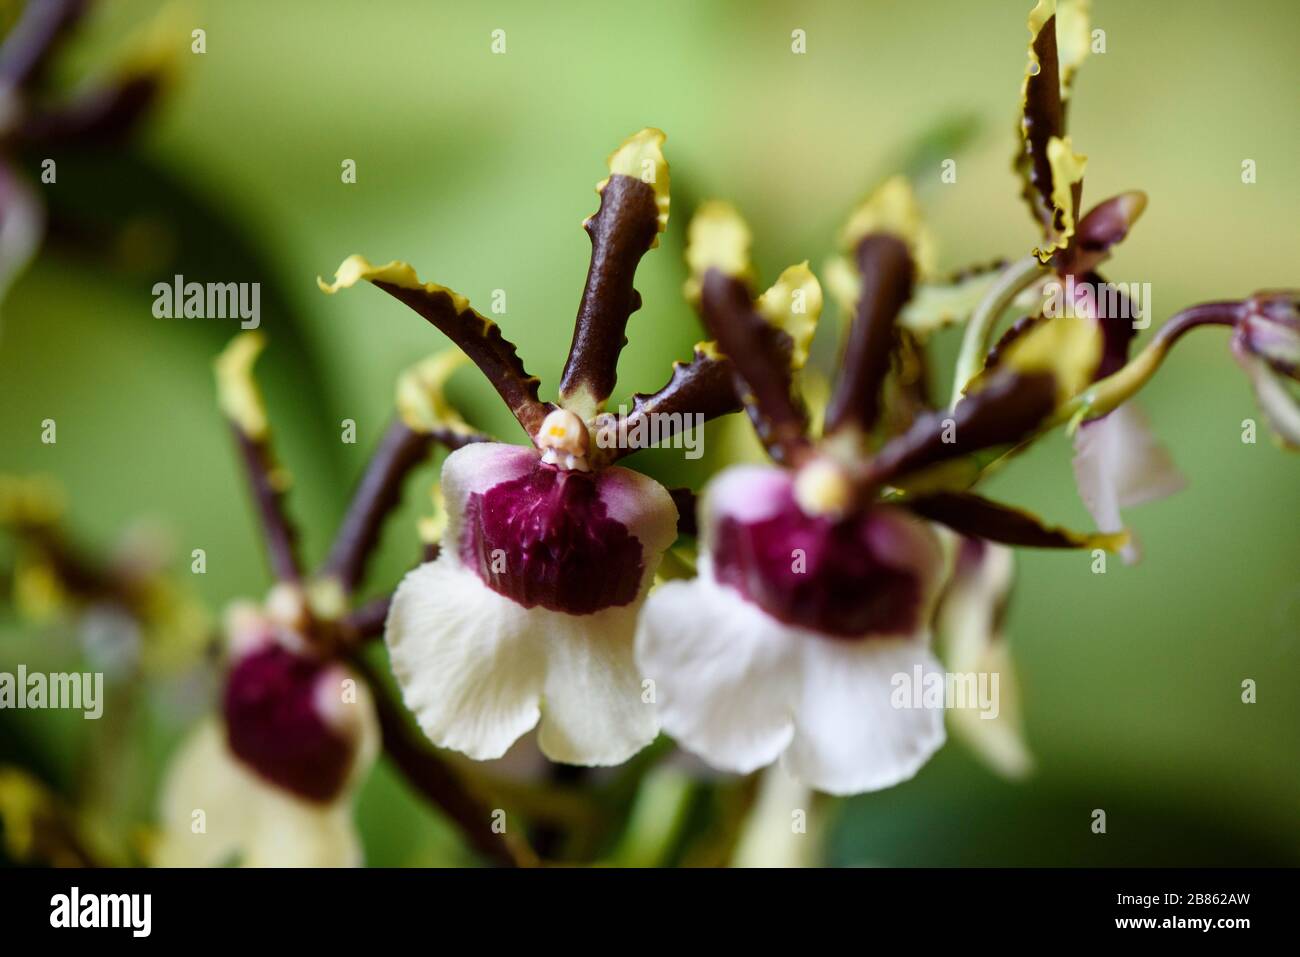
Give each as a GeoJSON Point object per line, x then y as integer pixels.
{"type": "Point", "coordinates": [271, 777]}
{"type": "Point", "coordinates": [528, 613]}
{"type": "Point", "coordinates": [818, 575]}
{"type": "Point", "coordinates": [132, 616]}
{"type": "Point", "coordinates": [270, 782]}
{"type": "Point", "coordinates": [1118, 462]}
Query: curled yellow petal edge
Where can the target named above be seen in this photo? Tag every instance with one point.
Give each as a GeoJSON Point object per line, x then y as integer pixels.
{"type": "Point", "coordinates": [794, 304]}
{"type": "Point", "coordinates": [356, 268]}
{"type": "Point", "coordinates": [892, 208]}
{"type": "Point", "coordinates": [1067, 171]}
{"type": "Point", "coordinates": [421, 394]}
{"type": "Point", "coordinates": [717, 238]}
{"type": "Point", "coordinates": [238, 395]}
{"type": "Point", "coordinates": [1073, 39]}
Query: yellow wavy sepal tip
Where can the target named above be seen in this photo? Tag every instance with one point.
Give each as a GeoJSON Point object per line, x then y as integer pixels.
{"type": "Point", "coordinates": [153, 49]}
{"type": "Point", "coordinates": [357, 268]}
{"type": "Point", "coordinates": [793, 304]}
{"type": "Point", "coordinates": [892, 208]}
{"type": "Point", "coordinates": [717, 238]}
{"type": "Point", "coordinates": [29, 500]}
{"type": "Point", "coordinates": [1067, 171]}
{"type": "Point", "coordinates": [238, 394]}
{"type": "Point", "coordinates": [422, 398]}
{"type": "Point", "coordinates": [641, 156]}
{"type": "Point", "coordinates": [1073, 39]}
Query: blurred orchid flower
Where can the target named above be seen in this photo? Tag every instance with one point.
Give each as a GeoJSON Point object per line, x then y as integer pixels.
{"type": "Point", "coordinates": [1118, 461]}
{"type": "Point", "coordinates": [818, 575]}
{"type": "Point", "coordinates": [269, 783]}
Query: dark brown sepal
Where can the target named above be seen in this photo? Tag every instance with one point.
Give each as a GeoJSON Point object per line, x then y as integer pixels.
{"type": "Point", "coordinates": [1009, 408]}
{"type": "Point", "coordinates": [887, 273]}
{"type": "Point", "coordinates": [760, 353]}
{"type": "Point", "coordinates": [479, 338]}
{"type": "Point", "coordinates": [976, 516]}
{"type": "Point", "coordinates": [705, 386]}
{"type": "Point", "coordinates": [622, 231]}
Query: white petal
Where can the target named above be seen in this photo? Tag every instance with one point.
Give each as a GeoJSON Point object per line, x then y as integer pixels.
{"type": "Point", "coordinates": [593, 712]}
{"type": "Point", "coordinates": [1119, 463]}
{"type": "Point", "coordinates": [243, 817]}
{"type": "Point", "coordinates": [469, 664]}
{"type": "Point", "coordinates": [971, 644]}
{"type": "Point", "coordinates": [726, 673]}
{"type": "Point", "coordinates": [478, 670]}
{"type": "Point", "coordinates": [848, 736]}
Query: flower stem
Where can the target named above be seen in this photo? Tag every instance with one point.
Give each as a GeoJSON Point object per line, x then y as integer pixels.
{"type": "Point", "coordinates": [1107, 394]}
{"type": "Point", "coordinates": [1014, 279]}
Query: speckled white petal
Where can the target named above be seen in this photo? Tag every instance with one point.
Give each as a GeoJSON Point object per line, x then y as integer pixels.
{"type": "Point", "coordinates": [1119, 463]}
{"type": "Point", "coordinates": [726, 674]}
{"type": "Point", "coordinates": [593, 712]}
{"type": "Point", "coordinates": [471, 663]}
{"type": "Point", "coordinates": [848, 736]}
{"type": "Point", "coordinates": [244, 819]}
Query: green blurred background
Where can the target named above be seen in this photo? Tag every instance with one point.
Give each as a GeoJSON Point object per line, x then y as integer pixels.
{"type": "Point", "coordinates": [478, 168]}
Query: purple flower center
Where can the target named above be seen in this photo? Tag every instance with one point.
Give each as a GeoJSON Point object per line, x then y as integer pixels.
{"type": "Point", "coordinates": [834, 577]}
{"type": "Point", "coordinates": [546, 539]}
{"type": "Point", "coordinates": [275, 727]}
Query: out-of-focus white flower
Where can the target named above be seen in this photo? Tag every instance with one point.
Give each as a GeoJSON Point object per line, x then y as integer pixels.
{"type": "Point", "coordinates": [787, 644]}
{"type": "Point", "coordinates": [270, 782]}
